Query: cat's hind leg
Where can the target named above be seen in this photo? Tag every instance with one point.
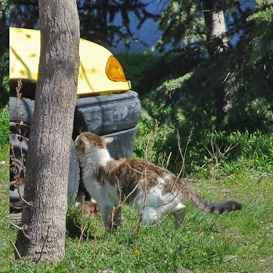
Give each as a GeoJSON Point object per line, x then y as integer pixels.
{"type": "Point", "coordinates": [116, 216]}
{"type": "Point", "coordinates": [111, 217]}
{"type": "Point", "coordinates": [106, 212]}
{"type": "Point", "coordinates": [179, 212]}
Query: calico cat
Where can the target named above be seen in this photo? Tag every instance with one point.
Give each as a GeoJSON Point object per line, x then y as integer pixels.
{"type": "Point", "coordinates": [152, 190]}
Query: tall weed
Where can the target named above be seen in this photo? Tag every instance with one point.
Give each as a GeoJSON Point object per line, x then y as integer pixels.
{"type": "Point", "coordinates": [210, 154]}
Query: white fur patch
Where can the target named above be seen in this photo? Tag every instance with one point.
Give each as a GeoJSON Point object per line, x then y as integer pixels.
{"type": "Point", "coordinates": [157, 204]}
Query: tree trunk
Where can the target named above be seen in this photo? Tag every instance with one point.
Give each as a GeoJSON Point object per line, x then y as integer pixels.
{"type": "Point", "coordinates": [42, 234]}
{"type": "Point", "coordinates": [216, 27]}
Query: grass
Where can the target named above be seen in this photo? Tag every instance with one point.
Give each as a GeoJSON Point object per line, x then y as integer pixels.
{"type": "Point", "coordinates": [241, 241]}
{"type": "Point", "coordinates": [5, 232]}
{"type": "Point", "coordinates": [4, 129]}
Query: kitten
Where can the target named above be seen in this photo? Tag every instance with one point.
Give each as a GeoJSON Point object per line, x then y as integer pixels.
{"type": "Point", "coordinates": [152, 190]}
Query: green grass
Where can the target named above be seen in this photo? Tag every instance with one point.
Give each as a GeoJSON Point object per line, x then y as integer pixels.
{"type": "Point", "coordinates": [4, 125]}
{"type": "Point", "coordinates": [4, 166]}
{"type": "Point", "coordinates": [241, 241]}
{"type": "Point", "coordinates": [5, 232]}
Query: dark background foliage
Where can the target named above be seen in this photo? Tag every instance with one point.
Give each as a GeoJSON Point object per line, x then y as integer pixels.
{"type": "Point", "coordinates": [202, 82]}
{"type": "Point", "coordinates": [4, 55]}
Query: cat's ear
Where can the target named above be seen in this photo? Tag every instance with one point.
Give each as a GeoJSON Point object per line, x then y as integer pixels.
{"type": "Point", "coordinates": [108, 140]}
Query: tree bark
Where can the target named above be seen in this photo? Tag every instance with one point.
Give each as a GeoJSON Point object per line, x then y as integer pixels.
{"type": "Point", "coordinates": [42, 234]}
{"type": "Point", "coordinates": [216, 27]}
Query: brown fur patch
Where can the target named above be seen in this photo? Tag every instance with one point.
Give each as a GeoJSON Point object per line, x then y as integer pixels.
{"type": "Point", "coordinates": [128, 173]}
{"type": "Point", "coordinates": [92, 138]}
{"type": "Point", "coordinates": [143, 170]}
{"type": "Point", "coordinates": [79, 144]}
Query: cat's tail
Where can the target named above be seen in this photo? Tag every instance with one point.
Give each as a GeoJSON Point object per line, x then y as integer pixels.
{"type": "Point", "coordinates": [208, 206]}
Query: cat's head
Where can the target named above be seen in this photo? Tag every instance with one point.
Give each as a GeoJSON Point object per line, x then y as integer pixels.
{"type": "Point", "coordinates": [87, 142]}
